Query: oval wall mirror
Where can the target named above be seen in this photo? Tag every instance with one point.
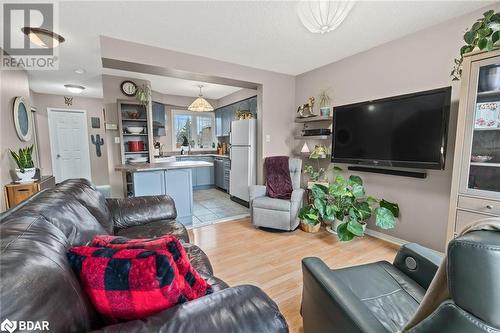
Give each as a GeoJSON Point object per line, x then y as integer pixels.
{"type": "Point", "coordinates": [22, 119]}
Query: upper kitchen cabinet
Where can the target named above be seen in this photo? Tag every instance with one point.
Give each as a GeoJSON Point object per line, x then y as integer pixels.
{"type": "Point", "coordinates": [158, 119]}
{"type": "Point", "coordinates": [226, 114]}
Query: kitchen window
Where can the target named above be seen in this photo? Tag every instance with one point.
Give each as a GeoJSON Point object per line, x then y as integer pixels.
{"type": "Point", "coordinates": [198, 128]}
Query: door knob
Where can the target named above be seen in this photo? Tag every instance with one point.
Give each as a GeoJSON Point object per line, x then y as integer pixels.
{"type": "Point", "coordinates": [58, 156]}
{"type": "Point", "coordinates": [489, 206]}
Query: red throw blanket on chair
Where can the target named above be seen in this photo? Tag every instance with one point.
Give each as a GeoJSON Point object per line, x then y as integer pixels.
{"type": "Point", "coordinates": [279, 183]}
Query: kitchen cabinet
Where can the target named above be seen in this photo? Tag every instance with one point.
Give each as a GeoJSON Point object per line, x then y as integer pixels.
{"type": "Point", "coordinates": [226, 114]}
{"type": "Point", "coordinates": [201, 177]}
{"type": "Point", "coordinates": [179, 187]}
{"type": "Point", "coordinates": [149, 183]}
{"type": "Point", "coordinates": [158, 119]}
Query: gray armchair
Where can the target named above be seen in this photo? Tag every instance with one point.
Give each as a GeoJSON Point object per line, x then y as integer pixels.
{"type": "Point", "coordinates": [277, 213]}
{"type": "Point", "coordinates": [380, 297]}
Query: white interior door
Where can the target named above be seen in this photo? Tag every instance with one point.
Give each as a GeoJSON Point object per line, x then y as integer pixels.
{"type": "Point", "coordinates": [69, 144]}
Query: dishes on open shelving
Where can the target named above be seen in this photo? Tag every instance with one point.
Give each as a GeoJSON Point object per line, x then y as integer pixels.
{"type": "Point", "coordinates": [134, 160]}
{"type": "Point", "coordinates": [134, 129]}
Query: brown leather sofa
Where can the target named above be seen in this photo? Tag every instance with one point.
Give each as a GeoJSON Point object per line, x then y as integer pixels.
{"type": "Point", "coordinates": [37, 283]}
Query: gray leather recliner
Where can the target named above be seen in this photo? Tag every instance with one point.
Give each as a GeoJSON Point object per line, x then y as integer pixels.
{"type": "Point", "coordinates": [277, 213]}
{"type": "Point", "coordinates": [383, 297]}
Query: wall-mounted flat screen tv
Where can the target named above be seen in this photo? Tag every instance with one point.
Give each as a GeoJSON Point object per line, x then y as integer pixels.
{"type": "Point", "coordinates": [402, 131]}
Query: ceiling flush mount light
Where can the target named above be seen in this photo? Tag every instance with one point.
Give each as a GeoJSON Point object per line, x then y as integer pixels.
{"type": "Point", "coordinates": [73, 88]}
{"type": "Point", "coordinates": [322, 16]}
{"type": "Point", "coordinates": [200, 104]}
{"type": "Point", "coordinates": [42, 37]}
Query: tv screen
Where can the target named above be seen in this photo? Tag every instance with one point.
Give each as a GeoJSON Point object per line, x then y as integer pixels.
{"type": "Point", "coordinates": [403, 131]}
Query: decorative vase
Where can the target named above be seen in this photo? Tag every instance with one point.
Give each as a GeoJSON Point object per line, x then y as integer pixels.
{"type": "Point", "coordinates": [325, 111]}
{"type": "Point", "coordinates": [489, 78]}
{"type": "Point", "coordinates": [333, 225]}
{"type": "Point", "coordinates": [25, 176]}
{"type": "Point", "coordinates": [311, 228]}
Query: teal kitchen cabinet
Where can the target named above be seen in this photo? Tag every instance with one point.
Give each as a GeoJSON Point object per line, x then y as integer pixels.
{"type": "Point", "coordinates": [201, 177]}
{"type": "Point", "coordinates": [158, 119]}
{"type": "Point", "coordinates": [149, 183]}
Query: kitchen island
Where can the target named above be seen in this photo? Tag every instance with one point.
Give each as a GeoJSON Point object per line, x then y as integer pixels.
{"type": "Point", "coordinates": [170, 178]}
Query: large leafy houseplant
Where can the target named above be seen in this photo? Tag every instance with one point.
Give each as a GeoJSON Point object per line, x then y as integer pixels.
{"type": "Point", "coordinates": [346, 201]}
{"type": "Point", "coordinates": [483, 35]}
{"type": "Point", "coordinates": [23, 158]}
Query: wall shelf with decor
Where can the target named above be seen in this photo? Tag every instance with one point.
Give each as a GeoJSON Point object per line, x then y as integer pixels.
{"type": "Point", "coordinates": [313, 137]}
{"type": "Point", "coordinates": [313, 119]}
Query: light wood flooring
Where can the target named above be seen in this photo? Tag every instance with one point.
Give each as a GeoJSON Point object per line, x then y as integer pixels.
{"type": "Point", "coordinates": [242, 254]}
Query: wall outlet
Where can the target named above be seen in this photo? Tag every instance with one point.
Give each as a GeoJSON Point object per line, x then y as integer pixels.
{"type": "Point", "coordinates": [117, 139]}
{"type": "Point", "coordinates": [268, 138]}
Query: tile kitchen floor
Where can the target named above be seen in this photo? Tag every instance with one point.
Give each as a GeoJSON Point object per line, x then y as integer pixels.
{"type": "Point", "coordinates": [214, 206]}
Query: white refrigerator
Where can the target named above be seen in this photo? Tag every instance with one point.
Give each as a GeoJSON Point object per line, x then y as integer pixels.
{"type": "Point", "coordinates": [243, 155]}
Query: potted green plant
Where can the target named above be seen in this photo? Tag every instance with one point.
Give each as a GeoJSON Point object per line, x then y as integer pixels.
{"type": "Point", "coordinates": [317, 175]}
{"type": "Point", "coordinates": [143, 94]}
{"type": "Point", "coordinates": [25, 170]}
{"type": "Point", "coordinates": [325, 103]}
{"type": "Point", "coordinates": [345, 205]}
{"type": "Point", "coordinates": [483, 35]}
{"type": "Point", "coordinates": [309, 219]}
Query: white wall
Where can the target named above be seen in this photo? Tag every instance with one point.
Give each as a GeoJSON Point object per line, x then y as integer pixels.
{"type": "Point", "coordinates": [94, 108]}
{"type": "Point", "coordinates": [420, 61]}
{"type": "Point", "coordinates": [13, 83]}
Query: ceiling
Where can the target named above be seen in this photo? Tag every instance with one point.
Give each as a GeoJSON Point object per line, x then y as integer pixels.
{"type": "Point", "coordinates": [261, 34]}
{"type": "Point", "coordinates": [175, 86]}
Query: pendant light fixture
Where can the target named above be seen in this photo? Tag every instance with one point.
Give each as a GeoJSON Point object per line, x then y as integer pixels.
{"type": "Point", "coordinates": [322, 16]}
{"type": "Point", "coordinates": [200, 104]}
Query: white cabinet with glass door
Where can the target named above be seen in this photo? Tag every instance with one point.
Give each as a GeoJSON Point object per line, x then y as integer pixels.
{"type": "Point", "coordinates": [476, 172]}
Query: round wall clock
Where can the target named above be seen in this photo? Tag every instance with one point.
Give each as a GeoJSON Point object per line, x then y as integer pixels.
{"type": "Point", "coordinates": [128, 88]}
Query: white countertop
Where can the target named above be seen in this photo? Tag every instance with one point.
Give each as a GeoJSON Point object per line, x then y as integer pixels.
{"type": "Point", "coordinates": [139, 167]}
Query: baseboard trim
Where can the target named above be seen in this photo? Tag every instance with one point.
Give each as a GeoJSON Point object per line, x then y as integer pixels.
{"type": "Point", "coordinates": [385, 237]}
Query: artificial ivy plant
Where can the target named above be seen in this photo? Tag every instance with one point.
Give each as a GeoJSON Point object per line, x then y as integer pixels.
{"type": "Point", "coordinates": [483, 35]}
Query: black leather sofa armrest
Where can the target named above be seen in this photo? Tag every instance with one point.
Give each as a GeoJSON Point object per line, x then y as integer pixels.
{"type": "Point", "coordinates": [328, 305]}
{"type": "Point", "coordinates": [131, 212]}
{"type": "Point", "coordinates": [418, 262]}
{"type": "Point", "coordinates": [239, 309]}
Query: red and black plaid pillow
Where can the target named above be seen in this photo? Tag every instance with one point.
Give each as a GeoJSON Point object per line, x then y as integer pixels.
{"type": "Point", "coordinates": [195, 286]}
{"type": "Point", "coordinates": [128, 284]}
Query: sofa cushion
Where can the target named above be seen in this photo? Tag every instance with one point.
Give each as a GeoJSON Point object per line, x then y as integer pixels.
{"type": "Point", "coordinates": [128, 284]}
{"type": "Point", "coordinates": [271, 203]}
{"type": "Point", "coordinates": [37, 282]}
{"type": "Point", "coordinates": [155, 229]}
{"type": "Point", "coordinates": [195, 286]}
{"type": "Point", "coordinates": [389, 294]}
{"type": "Point", "coordinates": [85, 193]}
{"type": "Point", "coordinates": [66, 213]}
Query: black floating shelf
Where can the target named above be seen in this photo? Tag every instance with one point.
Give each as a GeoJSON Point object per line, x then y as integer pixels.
{"type": "Point", "coordinates": [402, 173]}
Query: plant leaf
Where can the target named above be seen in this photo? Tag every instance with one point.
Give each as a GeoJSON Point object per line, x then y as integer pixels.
{"type": "Point", "coordinates": [358, 191]}
{"type": "Point", "coordinates": [336, 168]}
{"type": "Point", "coordinates": [489, 14]}
{"type": "Point", "coordinates": [476, 26]}
{"type": "Point", "coordinates": [343, 234]}
{"type": "Point", "coordinates": [484, 32]}
{"type": "Point", "coordinates": [495, 18]}
{"type": "Point", "coordinates": [393, 207]}
{"type": "Point", "coordinates": [482, 43]}
{"type": "Point", "coordinates": [469, 36]}
{"type": "Point", "coordinates": [320, 205]}
{"type": "Point", "coordinates": [371, 200]}
{"type": "Point", "coordinates": [356, 180]}
{"type": "Point", "coordinates": [317, 191]}
{"type": "Point", "coordinates": [495, 36]}
{"type": "Point", "coordinates": [384, 218]}
{"type": "Point", "coordinates": [364, 210]}
{"type": "Point", "coordinates": [355, 227]}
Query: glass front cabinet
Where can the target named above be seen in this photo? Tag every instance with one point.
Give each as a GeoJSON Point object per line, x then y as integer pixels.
{"type": "Point", "coordinates": [475, 192]}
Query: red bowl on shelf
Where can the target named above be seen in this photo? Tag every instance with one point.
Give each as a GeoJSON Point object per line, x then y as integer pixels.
{"type": "Point", "coordinates": [135, 146]}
